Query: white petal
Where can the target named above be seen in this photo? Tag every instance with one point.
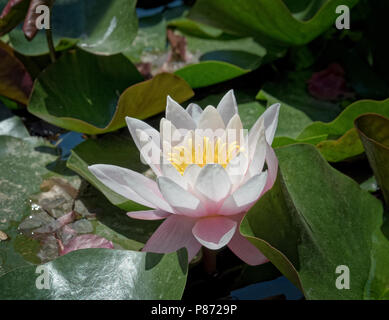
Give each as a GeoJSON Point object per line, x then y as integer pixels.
{"type": "Point", "coordinates": [258, 159]}
{"type": "Point", "coordinates": [194, 111]}
{"type": "Point", "coordinates": [178, 115]}
{"type": "Point", "coordinates": [171, 172]}
{"type": "Point", "coordinates": [169, 132]}
{"type": "Point", "coordinates": [191, 173]}
{"type": "Point", "coordinates": [227, 106]}
{"type": "Point", "coordinates": [210, 119]}
{"type": "Point", "coordinates": [245, 196]}
{"type": "Point", "coordinates": [213, 183]}
{"type": "Point", "coordinates": [255, 135]}
{"type": "Point", "coordinates": [147, 140]}
{"type": "Point", "coordinates": [237, 168]}
{"type": "Point", "coordinates": [181, 200]}
{"type": "Point", "coordinates": [270, 119]}
{"type": "Point", "coordinates": [131, 185]}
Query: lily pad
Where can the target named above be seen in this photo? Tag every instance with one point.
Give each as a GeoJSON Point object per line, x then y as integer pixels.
{"type": "Point", "coordinates": [207, 73]}
{"type": "Point", "coordinates": [98, 26]}
{"type": "Point", "coordinates": [101, 274]}
{"type": "Point", "coordinates": [324, 220]}
{"type": "Point", "coordinates": [270, 21]}
{"type": "Point", "coordinates": [15, 81]}
{"type": "Point", "coordinates": [374, 132]}
{"type": "Point", "coordinates": [342, 140]}
{"type": "Point", "coordinates": [26, 161]}
{"type": "Point", "coordinates": [82, 92]}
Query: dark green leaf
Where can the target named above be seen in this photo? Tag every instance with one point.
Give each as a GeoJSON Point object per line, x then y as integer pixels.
{"type": "Point", "coordinates": [374, 132]}
{"type": "Point", "coordinates": [83, 92]}
{"type": "Point", "coordinates": [323, 220]}
{"type": "Point", "coordinates": [269, 20]}
{"type": "Point", "coordinates": [206, 73]}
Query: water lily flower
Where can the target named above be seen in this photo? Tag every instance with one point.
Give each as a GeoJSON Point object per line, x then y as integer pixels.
{"type": "Point", "coordinates": [201, 196]}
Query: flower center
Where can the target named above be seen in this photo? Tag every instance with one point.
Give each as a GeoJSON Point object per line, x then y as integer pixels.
{"type": "Point", "coordinates": [203, 152]}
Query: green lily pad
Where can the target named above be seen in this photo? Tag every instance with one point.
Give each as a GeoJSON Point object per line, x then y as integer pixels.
{"type": "Point", "coordinates": [270, 21]}
{"type": "Point", "coordinates": [207, 73]}
{"type": "Point", "coordinates": [102, 274]}
{"type": "Point", "coordinates": [347, 146]}
{"type": "Point", "coordinates": [374, 132]}
{"type": "Point", "coordinates": [15, 82]}
{"type": "Point", "coordinates": [342, 140]}
{"type": "Point", "coordinates": [97, 26]}
{"type": "Point", "coordinates": [220, 59]}
{"type": "Point", "coordinates": [194, 28]}
{"type": "Point", "coordinates": [86, 93]}
{"type": "Point", "coordinates": [324, 220]}
{"type": "Point", "coordinates": [345, 120]}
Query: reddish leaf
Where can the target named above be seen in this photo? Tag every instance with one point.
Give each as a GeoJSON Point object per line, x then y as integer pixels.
{"type": "Point", "coordinates": [328, 84]}
{"type": "Point", "coordinates": [86, 241]}
{"type": "Point", "coordinates": [12, 14]}
{"type": "Point", "coordinates": [15, 82]}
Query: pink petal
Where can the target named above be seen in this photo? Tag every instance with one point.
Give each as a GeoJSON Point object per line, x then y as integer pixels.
{"type": "Point", "coordinates": [148, 215]}
{"type": "Point", "coordinates": [214, 232]}
{"type": "Point", "coordinates": [86, 241]}
{"type": "Point", "coordinates": [227, 107]}
{"type": "Point", "coordinates": [245, 250]}
{"type": "Point", "coordinates": [173, 234]}
{"type": "Point", "coordinates": [131, 184]}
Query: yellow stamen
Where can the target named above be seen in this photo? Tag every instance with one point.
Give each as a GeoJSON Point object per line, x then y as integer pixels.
{"type": "Point", "coordinates": [203, 153]}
